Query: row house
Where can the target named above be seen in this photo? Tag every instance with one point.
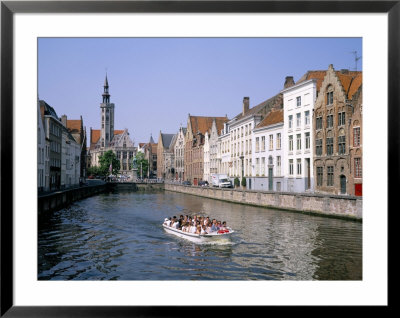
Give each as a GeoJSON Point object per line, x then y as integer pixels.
{"type": "Point", "coordinates": [150, 154]}
{"type": "Point", "coordinates": [211, 161]}
{"type": "Point", "coordinates": [337, 134]}
{"type": "Point", "coordinates": [70, 159]}
{"type": "Point", "coordinates": [53, 136]}
{"type": "Point", "coordinates": [197, 126]}
{"type": "Point", "coordinates": [42, 154]}
{"type": "Point", "coordinates": [268, 152]}
{"type": "Point", "coordinates": [297, 131]}
{"type": "Point", "coordinates": [242, 140]}
{"type": "Point", "coordinates": [78, 131]}
{"type": "Point", "coordinates": [107, 138]}
{"type": "Point", "coordinates": [224, 162]}
{"type": "Point", "coordinates": [179, 151]}
{"type": "Point", "coordinates": [165, 156]}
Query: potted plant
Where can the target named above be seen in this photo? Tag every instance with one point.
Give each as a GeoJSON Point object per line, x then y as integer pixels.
{"type": "Point", "coordinates": [236, 182]}
{"type": "Point", "coordinates": [244, 182]}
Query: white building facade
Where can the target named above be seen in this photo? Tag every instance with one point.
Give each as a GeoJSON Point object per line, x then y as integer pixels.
{"type": "Point", "coordinates": [224, 153]}
{"type": "Point", "coordinates": [297, 136]}
{"type": "Point", "coordinates": [268, 153]}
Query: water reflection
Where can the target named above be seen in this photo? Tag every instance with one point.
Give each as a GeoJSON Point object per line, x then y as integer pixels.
{"type": "Point", "coordinates": [119, 236]}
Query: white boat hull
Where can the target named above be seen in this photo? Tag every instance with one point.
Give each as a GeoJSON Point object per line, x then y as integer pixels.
{"type": "Point", "coordinates": [200, 238]}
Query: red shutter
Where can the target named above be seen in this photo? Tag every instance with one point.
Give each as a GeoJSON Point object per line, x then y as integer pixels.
{"type": "Point", "coordinates": [358, 189]}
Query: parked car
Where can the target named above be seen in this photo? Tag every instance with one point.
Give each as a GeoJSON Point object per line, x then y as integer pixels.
{"type": "Point", "coordinates": [91, 177]}
{"type": "Point", "coordinates": [186, 183]}
{"type": "Point", "coordinates": [203, 183]}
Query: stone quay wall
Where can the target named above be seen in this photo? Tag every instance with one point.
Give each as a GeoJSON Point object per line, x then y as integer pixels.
{"type": "Point", "coordinates": [347, 207]}
{"type": "Point", "coordinates": [57, 200]}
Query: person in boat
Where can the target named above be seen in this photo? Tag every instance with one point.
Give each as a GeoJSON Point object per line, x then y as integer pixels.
{"type": "Point", "coordinates": [208, 228]}
{"type": "Point", "coordinates": [214, 226]}
{"type": "Point", "coordinates": [193, 229]}
{"type": "Point", "coordinates": [203, 230]}
{"type": "Point", "coordinates": [207, 220]}
{"type": "Point", "coordinates": [198, 229]}
{"type": "Point", "coordinates": [223, 226]}
{"type": "Point", "coordinates": [168, 222]}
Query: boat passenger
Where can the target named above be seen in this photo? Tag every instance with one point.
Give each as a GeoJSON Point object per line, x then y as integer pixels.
{"type": "Point", "coordinates": [203, 230]}
{"type": "Point", "coordinates": [214, 226]}
{"type": "Point", "coordinates": [193, 229]}
{"type": "Point", "coordinates": [206, 220]}
{"type": "Point", "coordinates": [198, 229]}
{"type": "Point", "coordinates": [223, 227]}
{"type": "Point", "coordinates": [208, 228]}
{"type": "Point", "coordinates": [168, 222]}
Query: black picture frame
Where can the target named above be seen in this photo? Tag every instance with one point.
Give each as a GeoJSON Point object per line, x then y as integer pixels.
{"type": "Point", "coordinates": [8, 8]}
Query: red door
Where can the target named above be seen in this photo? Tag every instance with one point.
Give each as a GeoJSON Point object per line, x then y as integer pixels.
{"type": "Point", "coordinates": [195, 181]}
{"type": "Point", "coordinates": [358, 189]}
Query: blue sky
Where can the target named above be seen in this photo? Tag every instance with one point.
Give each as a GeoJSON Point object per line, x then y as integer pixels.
{"type": "Point", "coordinates": [156, 82]}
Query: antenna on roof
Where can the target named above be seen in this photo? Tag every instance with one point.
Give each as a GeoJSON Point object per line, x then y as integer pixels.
{"type": "Point", "coordinates": [356, 58]}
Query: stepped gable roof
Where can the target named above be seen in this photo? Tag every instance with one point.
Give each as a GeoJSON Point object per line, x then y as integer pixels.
{"type": "Point", "coordinates": [141, 144]}
{"type": "Point", "coordinates": [351, 80]}
{"type": "Point", "coordinates": [203, 124]}
{"type": "Point", "coordinates": [275, 116]}
{"type": "Point", "coordinates": [273, 102]}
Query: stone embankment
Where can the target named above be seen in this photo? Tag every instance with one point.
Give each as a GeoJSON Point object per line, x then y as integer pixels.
{"type": "Point", "coordinates": [348, 207]}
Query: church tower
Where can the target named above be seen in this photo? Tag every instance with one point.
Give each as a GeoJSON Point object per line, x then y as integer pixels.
{"type": "Point", "coordinates": [107, 117]}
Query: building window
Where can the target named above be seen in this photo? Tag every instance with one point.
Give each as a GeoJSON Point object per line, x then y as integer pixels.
{"type": "Point", "coordinates": [318, 147]}
{"type": "Point", "coordinates": [356, 137]}
{"type": "Point", "coordinates": [307, 140]}
{"type": "Point", "coordinates": [263, 143]}
{"type": "Point", "coordinates": [329, 146]}
{"type": "Point", "coordinates": [278, 165]}
{"type": "Point", "coordinates": [290, 121]}
{"type": "Point", "coordinates": [298, 166]}
{"type": "Point", "coordinates": [257, 144]}
{"type": "Point", "coordinates": [298, 120]}
{"type": "Point", "coordinates": [330, 176]}
{"type": "Point", "coordinates": [291, 143]}
{"type": "Point", "coordinates": [278, 141]}
{"type": "Point", "coordinates": [263, 165]}
{"type": "Point", "coordinates": [257, 166]}
{"type": "Point", "coordinates": [357, 167]}
{"type": "Point", "coordinates": [342, 118]}
{"type": "Point", "coordinates": [342, 144]}
{"type": "Point", "coordinates": [291, 167]}
{"type": "Point", "coordinates": [307, 118]}
{"type": "Point", "coordinates": [329, 98]}
{"type": "Point", "coordinates": [329, 121]}
{"type": "Point", "coordinates": [298, 101]}
{"type": "Point", "coordinates": [320, 172]}
{"type": "Point", "coordinates": [298, 142]}
{"type": "Point", "coordinates": [319, 123]}
{"type": "Point", "coordinates": [271, 142]}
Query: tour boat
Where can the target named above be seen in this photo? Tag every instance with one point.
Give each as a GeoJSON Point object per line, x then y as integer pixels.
{"type": "Point", "coordinates": [220, 236]}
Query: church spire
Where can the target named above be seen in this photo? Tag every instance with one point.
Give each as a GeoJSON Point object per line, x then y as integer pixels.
{"type": "Point", "coordinates": [106, 94]}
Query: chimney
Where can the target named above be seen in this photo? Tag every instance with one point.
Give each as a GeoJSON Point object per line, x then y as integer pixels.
{"type": "Point", "coordinates": [344, 71]}
{"type": "Point", "coordinates": [246, 104]}
{"type": "Point", "coordinates": [64, 120]}
{"type": "Point", "coordinates": [288, 82]}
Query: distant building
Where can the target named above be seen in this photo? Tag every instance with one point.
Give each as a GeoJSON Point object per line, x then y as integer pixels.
{"type": "Point", "coordinates": [224, 154]}
{"type": "Point", "coordinates": [211, 161]}
{"type": "Point", "coordinates": [197, 126]}
{"type": "Point", "coordinates": [338, 126]}
{"type": "Point", "coordinates": [70, 158]}
{"type": "Point", "coordinates": [180, 155]}
{"type": "Point", "coordinates": [107, 138]}
{"type": "Point", "coordinates": [165, 156]}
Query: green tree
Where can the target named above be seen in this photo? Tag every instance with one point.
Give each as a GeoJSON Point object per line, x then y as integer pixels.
{"type": "Point", "coordinates": [107, 159]}
{"type": "Point", "coordinates": [243, 182]}
{"type": "Point", "coordinates": [142, 164]}
{"type": "Point", "coordinates": [236, 182]}
{"type": "Point", "coordinates": [93, 171]}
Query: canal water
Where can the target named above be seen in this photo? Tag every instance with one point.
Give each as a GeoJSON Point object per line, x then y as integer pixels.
{"type": "Point", "coordinates": [119, 236]}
